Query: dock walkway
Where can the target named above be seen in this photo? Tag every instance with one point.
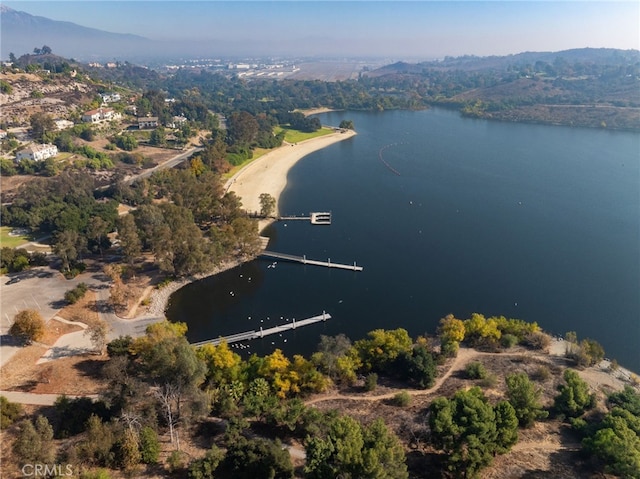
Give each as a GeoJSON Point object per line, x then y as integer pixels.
{"type": "Point", "coordinates": [253, 334]}
{"type": "Point", "coordinates": [305, 260]}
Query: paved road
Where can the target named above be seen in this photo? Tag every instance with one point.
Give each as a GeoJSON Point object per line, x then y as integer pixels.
{"type": "Point", "coordinates": [43, 289]}
{"type": "Point", "coordinates": [167, 164]}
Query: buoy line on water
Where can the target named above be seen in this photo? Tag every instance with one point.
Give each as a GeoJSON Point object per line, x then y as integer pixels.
{"type": "Point", "coordinates": [384, 162]}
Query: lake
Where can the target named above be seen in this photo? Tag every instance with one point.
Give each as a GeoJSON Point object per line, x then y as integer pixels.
{"type": "Point", "coordinates": [447, 215]}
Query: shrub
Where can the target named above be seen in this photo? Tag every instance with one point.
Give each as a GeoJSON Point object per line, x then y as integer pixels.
{"type": "Point", "coordinates": [476, 370]}
{"type": "Point", "coordinates": [149, 445]}
{"type": "Point", "coordinates": [490, 381]}
{"type": "Point", "coordinates": [76, 294]}
{"type": "Point", "coordinates": [537, 340]}
{"type": "Point", "coordinates": [508, 341]}
{"type": "Point", "coordinates": [28, 326]}
{"type": "Point", "coordinates": [175, 461]}
{"type": "Point", "coordinates": [371, 382]}
{"type": "Point", "coordinates": [541, 373]}
{"type": "Point", "coordinates": [402, 399]}
{"type": "Point", "coordinates": [9, 412]}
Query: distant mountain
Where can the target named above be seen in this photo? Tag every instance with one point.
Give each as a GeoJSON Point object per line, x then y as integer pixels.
{"type": "Point", "coordinates": [21, 32]}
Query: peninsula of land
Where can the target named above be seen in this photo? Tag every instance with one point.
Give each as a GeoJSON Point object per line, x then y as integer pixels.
{"type": "Point", "coordinates": [268, 174]}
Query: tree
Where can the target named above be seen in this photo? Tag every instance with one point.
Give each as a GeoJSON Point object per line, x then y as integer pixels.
{"type": "Point", "coordinates": [68, 245]}
{"type": "Point", "coordinates": [9, 412]}
{"type": "Point", "coordinates": [267, 205]}
{"type": "Point", "coordinates": [470, 431]}
{"type": "Point", "coordinates": [452, 332]}
{"type": "Point", "coordinates": [158, 137]}
{"type": "Point", "coordinates": [382, 347]}
{"type": "Point", "coordinates": [242, 128]}
{"type": "Point", "coordinates": [41, 123]}
{"type": "Point", "coordinates": [205, 468]}
{"type": "Point", "coordinates": [149, 445]}
{"type": "Point", "coordinates": [525, 399]}
{"type": "Point", "coordinates": [97, 333]}
{"type": "Point", "coordinates": [574, 398]}
{"type": "Point", "coordinates": [126, 142]}
{"type": "Point", "coordinates": [28, 326]}
{"type": "Point", "coordinates": [97, 230]}
{"type": "Point", "coordinates": [129, 238]}
{"type": "Point", "coordinates": [347, 449]}
{"type": "Point", "coordinates": [253, 458]}
{"type": "Point", "coordinates": [35, 444]}
{"type": "Point", "coordinates": [346, 125]}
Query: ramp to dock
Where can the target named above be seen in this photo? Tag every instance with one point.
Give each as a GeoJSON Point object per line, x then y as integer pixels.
{"type": "Point", "coordinates": [305, 260]}
{"type": "Point", "coordinates": [253, 334]}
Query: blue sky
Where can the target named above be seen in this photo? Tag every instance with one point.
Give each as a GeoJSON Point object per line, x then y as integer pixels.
{"type": "Point", "coordinates": [421, 29]}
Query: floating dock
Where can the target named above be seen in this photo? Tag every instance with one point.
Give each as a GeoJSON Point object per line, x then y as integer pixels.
{"type": "Point", "coordinates": [253, 334]}
{"type": "Point", "coordinates": [317, 218]}
{"type": "Point", "coordinates": [305, 260]}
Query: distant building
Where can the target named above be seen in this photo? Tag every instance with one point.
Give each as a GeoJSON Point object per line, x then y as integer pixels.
{"type": "Point", "coordinates": [101, 114]}
{"type": "Point", "coordinates": [37, 152]}
{"type": "Point", "coordinates": [110, 97]}
{"type": "Point", "coordinates": [147, 122]}
{"type": "Point", "coordinates": [177, 122]}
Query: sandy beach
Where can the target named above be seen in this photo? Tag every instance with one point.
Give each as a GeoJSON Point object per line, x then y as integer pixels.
{"type": "Point", "coordinates": [268, 174]}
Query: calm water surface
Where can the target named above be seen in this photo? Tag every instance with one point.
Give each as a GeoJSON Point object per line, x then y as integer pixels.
{"type": "Point", "coordinates": [528, 221]}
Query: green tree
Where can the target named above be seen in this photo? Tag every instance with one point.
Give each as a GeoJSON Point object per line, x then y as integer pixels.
{"type": "Point", "coordinates": [9, 412]}
{"type": "Point", "coordinates": [525, 399]}
{"type": "Point", "coordinates": [41, 123]}
{"type": "Point", "coordinates": [267, 205]}
{"type": "Point", "coordinates": [346, 124]}
{"type": "Point", "coordinates": [253, 458]}
{"type": "Point", "coordinates": [28, 326]}
{"type": "Point", "coordinates": [126, 142]}
{"type": "Point", "coordinates": [129, 238]}
{"type": "Point", "coordinates": [149, 445]}
{"type": "Point", "coordinates": [205, 468]}
{"type": "Point", "coordinates": [68, 245]}
{"type": "Point", "coordinates": [158, 137]}
{"type": "Point", "coordinates": [465, 427]}
{"type": "Point", "coordinates": [574, 398]}
{"type": "Point", "coordinates": [34, 444]}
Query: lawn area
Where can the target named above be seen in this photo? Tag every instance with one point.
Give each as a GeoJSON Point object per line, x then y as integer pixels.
{"type": "Point", "coordinates": [290, 136]}
{"type": "Point", "coordinates": [257, 153]}
{"type": "Point", "coordinates": [8, 241]}
{"type": "Point", "coordinates": [296, 136]}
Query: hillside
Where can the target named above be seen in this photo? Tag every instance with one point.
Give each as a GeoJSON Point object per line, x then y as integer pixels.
{"type": "Point", "coordinates": [583, 87]}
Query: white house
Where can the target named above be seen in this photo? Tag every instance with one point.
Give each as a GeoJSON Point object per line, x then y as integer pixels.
{"type": "Point", "coordinates": [110, 97]}
{"type": "Point", "coordinates": [37, 152]}
{"type": "Point", "coordinates": [147, 122]}
{"type": "Point", "coordinates": [95, 116]}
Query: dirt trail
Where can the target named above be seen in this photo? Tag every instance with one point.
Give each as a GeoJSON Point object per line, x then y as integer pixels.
{"type": "Point", "coordinates": [461, 360]}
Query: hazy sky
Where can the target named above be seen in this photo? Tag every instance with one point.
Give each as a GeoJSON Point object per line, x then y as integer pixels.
{"type": "Point", "coordinates": [423, 29]}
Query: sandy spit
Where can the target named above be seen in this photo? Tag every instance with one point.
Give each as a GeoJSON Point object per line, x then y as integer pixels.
{"type": "Point", "coordinates": [268, 174]}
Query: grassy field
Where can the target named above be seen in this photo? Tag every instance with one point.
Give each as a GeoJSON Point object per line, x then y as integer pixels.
{"type": "Point", "coordinates": [290, 136]}
{"type": "Point", "coordinates": [296, 136]}
{"type": "Point", "coordinates": [7, 241]}
{"type": "Point", "coordinates": [257, 153]}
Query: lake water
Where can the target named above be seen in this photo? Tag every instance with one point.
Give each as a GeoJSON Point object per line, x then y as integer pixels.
{"type": "Point", "coordinates": [534, 222]}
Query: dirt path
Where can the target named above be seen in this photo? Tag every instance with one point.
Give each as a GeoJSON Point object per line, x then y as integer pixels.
{"type": "Point", "coordinates": [461, 360]}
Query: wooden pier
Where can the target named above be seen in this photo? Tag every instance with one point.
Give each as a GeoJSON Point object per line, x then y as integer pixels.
{"type": "Point", "coordinates": [317, 218]}
{"type": "Point", "coordinates": [253, 334]}
{"type": "Point", "coordinates": [305, 260]}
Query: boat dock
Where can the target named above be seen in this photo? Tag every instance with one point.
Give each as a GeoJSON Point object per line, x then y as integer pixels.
{"type": "Point", "coordinates": [305, 260]}
{"type": "Point", "coordinates": [317, 218]}
{"type": "Point", "coordinates": [253, 334]}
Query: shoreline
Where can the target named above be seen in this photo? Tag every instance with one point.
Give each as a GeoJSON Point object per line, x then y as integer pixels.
{"type": "Point", "coordinates": [267, 174]}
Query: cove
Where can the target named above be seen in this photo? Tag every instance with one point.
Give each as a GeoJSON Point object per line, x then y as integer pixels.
{"type": "Point", "coordinates": [447, 215]}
